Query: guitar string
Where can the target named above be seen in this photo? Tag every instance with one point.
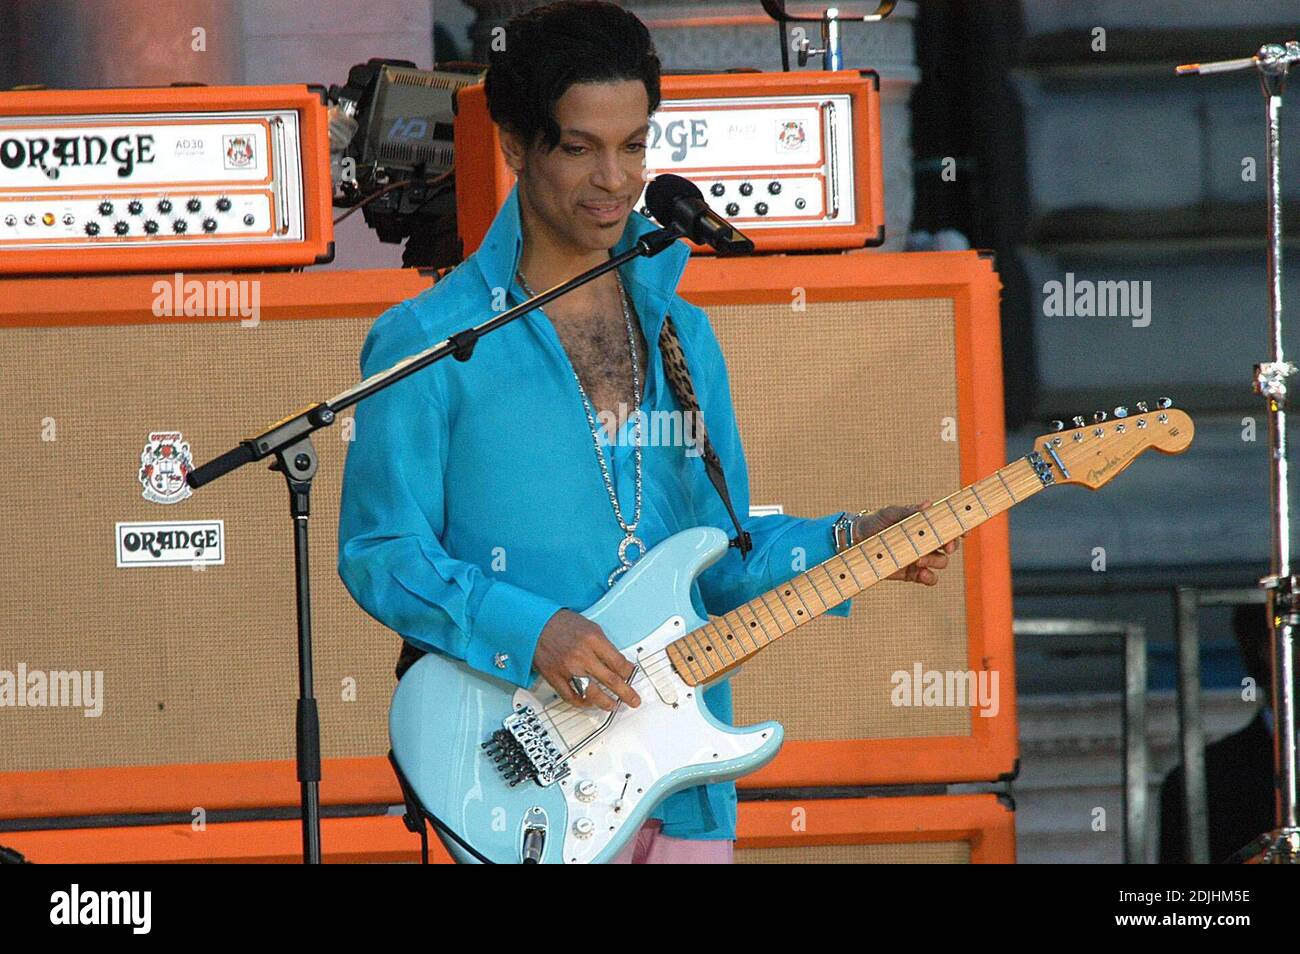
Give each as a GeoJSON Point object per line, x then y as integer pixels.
{"type": "Point", "coordinates": [656, 662]}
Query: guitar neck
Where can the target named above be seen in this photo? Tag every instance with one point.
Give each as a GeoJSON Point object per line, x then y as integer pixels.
{"type": "Point", "coordinates": [728, 640]}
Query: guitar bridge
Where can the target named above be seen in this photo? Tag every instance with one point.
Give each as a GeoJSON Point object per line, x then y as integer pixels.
{"type": "Point", "coordinates": [523, 750]}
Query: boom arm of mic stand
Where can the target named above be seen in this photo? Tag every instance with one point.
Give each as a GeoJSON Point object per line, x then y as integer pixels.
{"type": "Point", "coordinates": [315, 416]}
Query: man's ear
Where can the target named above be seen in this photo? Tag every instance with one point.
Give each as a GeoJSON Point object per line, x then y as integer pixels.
{"type": "Point", "coordinates": [513, 148]}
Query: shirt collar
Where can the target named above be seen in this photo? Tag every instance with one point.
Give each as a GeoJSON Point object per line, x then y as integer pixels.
{"type": "Point", "coordinates": [653, 280]}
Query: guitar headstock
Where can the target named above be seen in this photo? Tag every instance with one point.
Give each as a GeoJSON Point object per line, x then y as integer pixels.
{"type": "Point", "coordinates": [1091, 454]}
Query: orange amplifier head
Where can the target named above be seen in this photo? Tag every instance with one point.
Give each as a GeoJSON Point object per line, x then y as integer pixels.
{"type": "Point", "coordinates": [163, 178]}
{"type": "Point", "coordinates": [791, 159]}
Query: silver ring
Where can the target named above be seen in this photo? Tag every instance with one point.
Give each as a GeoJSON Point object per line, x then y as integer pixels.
{"type": "Point", "coordinates": [580, 684]}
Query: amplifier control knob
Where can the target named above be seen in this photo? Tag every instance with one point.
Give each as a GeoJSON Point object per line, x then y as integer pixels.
{"type": "Point", "coordinates": [106, 208]}
{"type": "Point", "coordinates": [774, 187]}
{"type": "Point", "coordinates": [761, 208]}
{"type": "Point", "coordinates": [746, 188]}
{"type": "Point", "coordinates": [733, 209]}
{"type": "Point", "coordinates": [92, 228]}
{"type": "Point", "coordinates": [223, 204]}
{"type": "Point", "coordinates": [717, 188]}
{"type": "Point", "coordinates": [249, 220]}
{"type": "Point", "coordinates": [29, 218]}
{"type": "Point", "coordinates": [135, 207]}
{"type": "Point", "coordinates": [69, 219]}
{"type": "Point", "coordinates": [120, 227]}
{"type": "Point", "coordinates": [164, 206]}
{"type": "Point", "coordinates": [151, 227]}
{"type": "Point", "coordinates": [194, 205]}
{"type": "Point", "coordinates": [179, 226]}
{"type": "Point", "coordinates": [209, 225]}
{"type": "Point", "coordinates": [800, 203]}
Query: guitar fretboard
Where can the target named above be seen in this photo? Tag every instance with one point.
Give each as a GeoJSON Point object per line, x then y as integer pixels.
{"type": "Point", "coordinates": [728, 640]}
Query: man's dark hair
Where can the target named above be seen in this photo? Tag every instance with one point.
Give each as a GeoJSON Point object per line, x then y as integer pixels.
{"type": "Point", "coordinates": [550, 48]}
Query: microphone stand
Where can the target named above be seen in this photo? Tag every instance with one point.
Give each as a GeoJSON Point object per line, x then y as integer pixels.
{"type": "Point", "coordinates": [1282, 845]}
{"type": "Point", "coordinates": [289, 441]}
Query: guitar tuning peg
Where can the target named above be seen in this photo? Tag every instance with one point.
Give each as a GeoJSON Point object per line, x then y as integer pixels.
{"type": "Point", "coordinates": [1121, 411]}
{"type": "Point", "coordinates": [1058, 425]}
{"type": "Point", "coordinates": [1142, 407]}
{"type": "Point", "coordinates": [1164, 402]}
{"type": "Point", "coordinates": [1078, 421]}
{"type": "Point", "coordinates": [1098, 417]}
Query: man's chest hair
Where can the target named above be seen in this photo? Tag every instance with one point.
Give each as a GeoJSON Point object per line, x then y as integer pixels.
{"type": "Point", "coordinates": [596, 343]}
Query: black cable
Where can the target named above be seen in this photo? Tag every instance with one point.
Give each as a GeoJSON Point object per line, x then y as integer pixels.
{"type": "Point", "coordinates": [421, 813]}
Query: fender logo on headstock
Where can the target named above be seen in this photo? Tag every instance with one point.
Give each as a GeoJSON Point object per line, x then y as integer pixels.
{"type": "Point", "coordinates": [1099, 473]}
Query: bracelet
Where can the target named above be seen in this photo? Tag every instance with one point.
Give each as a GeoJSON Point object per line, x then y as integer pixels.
{"type": "Point", "coordinates": [842, 530]}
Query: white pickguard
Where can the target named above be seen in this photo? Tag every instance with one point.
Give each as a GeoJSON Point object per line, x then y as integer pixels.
{"type": "Point", "coordinates": [654, 743]}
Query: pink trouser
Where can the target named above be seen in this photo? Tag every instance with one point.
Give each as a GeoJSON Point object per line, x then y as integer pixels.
{"type": "Point", "coordinates": [652, 847]}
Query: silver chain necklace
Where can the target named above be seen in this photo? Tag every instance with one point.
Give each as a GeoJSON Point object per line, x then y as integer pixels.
{"type": "Point", "coordinates": [631, 539]}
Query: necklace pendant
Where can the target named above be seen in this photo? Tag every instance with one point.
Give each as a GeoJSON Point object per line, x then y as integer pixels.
{"type": "Point", "coordinates": [631, 540]}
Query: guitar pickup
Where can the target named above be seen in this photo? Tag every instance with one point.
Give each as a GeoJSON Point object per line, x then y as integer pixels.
{"type": "Point", "coordinates": [661, 677]}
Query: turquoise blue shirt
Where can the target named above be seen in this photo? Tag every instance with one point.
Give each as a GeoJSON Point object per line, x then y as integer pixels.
{"type": "Point", "coordinates": [473, 505]}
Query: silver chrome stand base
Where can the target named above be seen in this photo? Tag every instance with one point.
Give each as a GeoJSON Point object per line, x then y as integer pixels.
{"type": "Point", "coordinates": [1278, 847]}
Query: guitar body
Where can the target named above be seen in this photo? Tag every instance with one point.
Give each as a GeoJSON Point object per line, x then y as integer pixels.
{"type": "Point", "coordinates": [609, 774]}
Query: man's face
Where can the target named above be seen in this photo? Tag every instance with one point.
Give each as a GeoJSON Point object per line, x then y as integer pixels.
{"type": "Point", "coordinates": [583, 190]}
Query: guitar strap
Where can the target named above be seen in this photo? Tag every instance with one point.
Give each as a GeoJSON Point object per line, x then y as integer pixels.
{"type": "Point", "coordinates": [679, 376]}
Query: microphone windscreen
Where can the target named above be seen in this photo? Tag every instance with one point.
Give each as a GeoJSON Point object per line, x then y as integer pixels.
{"type": "Point", "coordinates": [663, 192]}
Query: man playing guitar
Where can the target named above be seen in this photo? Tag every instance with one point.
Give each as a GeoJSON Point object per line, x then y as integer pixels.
{"type": "Point", "coordinates": [483, 501]}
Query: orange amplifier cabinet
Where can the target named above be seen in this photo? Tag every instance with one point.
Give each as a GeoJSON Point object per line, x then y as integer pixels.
{"type": "Point", "coordinates": [163, 178]}
{"type": "Point", "coordinates": [791, 159]}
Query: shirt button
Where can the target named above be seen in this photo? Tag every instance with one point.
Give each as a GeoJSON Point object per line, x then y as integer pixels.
{"type": "Point", "coordinates": [500, 660]}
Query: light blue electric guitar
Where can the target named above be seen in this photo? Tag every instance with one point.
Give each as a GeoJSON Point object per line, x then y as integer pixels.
{"type": "Point", "coordinates": [522, 775]}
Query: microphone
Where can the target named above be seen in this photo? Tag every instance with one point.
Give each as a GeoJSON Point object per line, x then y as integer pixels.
{"type": "Point", "coordinates": [673, 200]}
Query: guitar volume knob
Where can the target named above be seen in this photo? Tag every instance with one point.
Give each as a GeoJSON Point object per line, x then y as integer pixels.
{"type": "Point", "coordinates": [586, 790]}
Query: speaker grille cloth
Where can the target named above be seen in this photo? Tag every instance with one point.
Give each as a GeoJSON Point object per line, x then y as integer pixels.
{"type": "Point", "coordinates": [921, 852]}
{"type": "Point", "coordinates": [198, 666]}
{"type": "Point", "coordinates": [843, 406]}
